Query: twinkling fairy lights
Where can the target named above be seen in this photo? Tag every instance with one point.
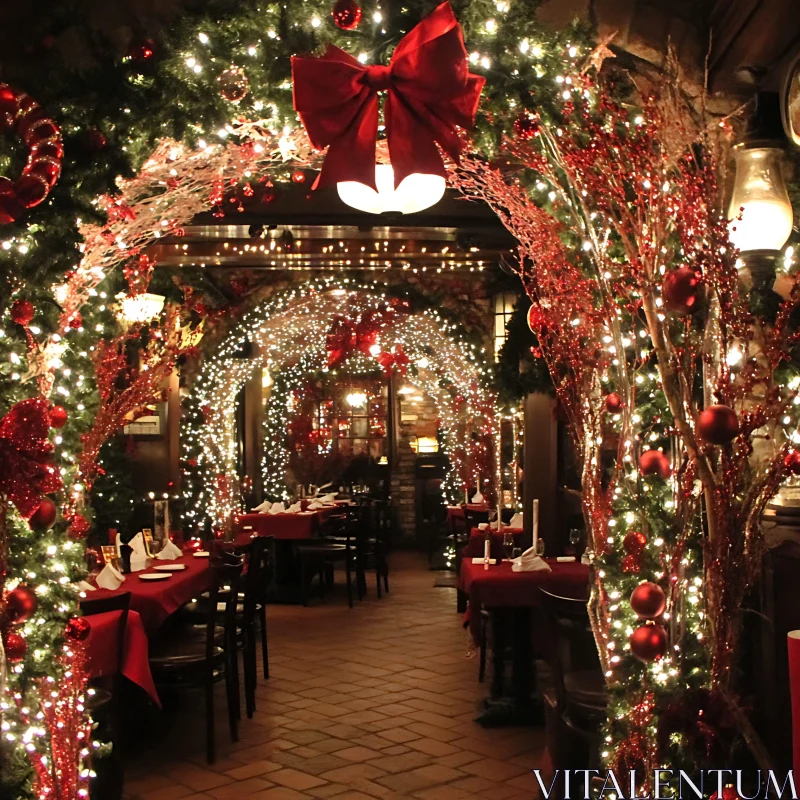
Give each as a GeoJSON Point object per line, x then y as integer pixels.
{"type": "Point", "coordinates": [289, 335]}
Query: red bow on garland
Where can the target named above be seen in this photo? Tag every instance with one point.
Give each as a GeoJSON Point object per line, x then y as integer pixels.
{"type": "Point", "coordinates": [396, 359]}
{"type": "Point", "coordinates": [26, 471]}
{"type": "Point", "coordinates": [429, 91]}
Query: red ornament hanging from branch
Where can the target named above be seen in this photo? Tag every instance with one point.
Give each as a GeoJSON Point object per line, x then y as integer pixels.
{"type": "Point", "coordinates": [429, 93]}
{"type": "Point", "coordinates": [26, 471]}
{"type": "Point", "coordinates": [346, 14]}
{"type": "Point", "coordinates": [23, 115]}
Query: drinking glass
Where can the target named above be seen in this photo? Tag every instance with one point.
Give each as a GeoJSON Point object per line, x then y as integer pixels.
{"type": "Point", "coordinates": [540, 547]}
{"type": "Point", "coordinates": [575, 538]}
{"type": "Point", "coordinates": [508, 545]}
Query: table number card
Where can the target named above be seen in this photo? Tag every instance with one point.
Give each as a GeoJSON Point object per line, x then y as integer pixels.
{"type": "Point", "coordinates": [109, 552]}
{"type": "Point", "coordinates": [147, 535]}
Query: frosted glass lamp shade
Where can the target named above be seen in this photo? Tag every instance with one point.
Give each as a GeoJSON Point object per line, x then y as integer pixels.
{"type": "Point", "coordinates": [760, 196]}
{"type": "Point", "coordinates": [415, 193]}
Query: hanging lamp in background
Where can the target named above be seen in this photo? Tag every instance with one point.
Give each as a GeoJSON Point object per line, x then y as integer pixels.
{"type": "Point", "coordinates": [416, 192]}
{"type": "Point", "coordinates": [760, 211]}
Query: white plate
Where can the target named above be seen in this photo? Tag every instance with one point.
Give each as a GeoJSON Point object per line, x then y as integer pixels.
{"type": "Point", "coordinates": [154, 576]}
{"type": "Point", "coordinates": [202, 554]}
{"type": "Point", "coordinates": [169, 567]}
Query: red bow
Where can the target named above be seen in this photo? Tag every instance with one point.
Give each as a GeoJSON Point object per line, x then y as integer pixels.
{"type": "Point", "coordinates": [396, 359]}
{"type": "Point", "coordinates": [26, 472]}
{"type": "Point", "coordinates": [429, 91]}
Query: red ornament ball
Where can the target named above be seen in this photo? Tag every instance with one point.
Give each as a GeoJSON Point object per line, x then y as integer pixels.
{"type": "Point", "coordinates": [680, 290]}
{"type": "Point", "coordinates": [649, 642]}
{"type": "Point", "coordinates": [792, 462]}
{"type": "Point", "coordinates": [93, 140]}
{"type": "Point", "coordinates": [58, 417]}
{"type": "Point", "coordinates": [44, 516]}
{"type": "Point", "coordinates": [631, 564]}
{"type": "Point", "coordinates": [648, 600]}
{"type": "Point", "coordinates": [298, 176]}
{"type": "Point", "coordinates": [78, 628]}
{"type": "Point", "coordinates": [526, 125]}
{"type": "Point", "coordinates": [728, 793]}
{"type": "Point", "coordinates": [233, 84]}
{"type": "Point", "coordinates": [16, 647]}
{"type": "Point", "coordinates": [20, 605]}
{"type": "Point", "coordinates": [141, 53]}
{"type": "Point", "coordinates": [718, 424]}
{"type": "Point", "coordinates": [346, 14]}
{"type": "Point", "coordinates": [22, 312]}
{"type": "Point", "coordinates": [76, 321]}
{"type": "Point", "coordinates": [78, 526]}
{"type": "Point", "coordinates": [613, 403]}
{"type": "Point", "coordinates": [536, 319]}
{"type": "Point", "coordinates": [654, 462]}
{"type": "Point", "coordinates": [634, 542]}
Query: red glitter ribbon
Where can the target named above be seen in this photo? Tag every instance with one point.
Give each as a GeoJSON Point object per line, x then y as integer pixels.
{"type": "Point", "coordinates": [429, 91]}
{"type": "Point", "coordinates": [26, 471]}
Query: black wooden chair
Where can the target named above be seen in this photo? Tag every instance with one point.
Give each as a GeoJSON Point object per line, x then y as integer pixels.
{"type": "Point", "coordinates": [187, 656]}
{"type": "Point", "coordinates": [104, 699]}
{"type": "Point", "coordinates": [318, 556]}
{"type": "Point", "coordinates": [373, 538]}
{"type": "Point", "coordinates": [252, 609]}
{"type": "Point", "coordinates": [579, 687]}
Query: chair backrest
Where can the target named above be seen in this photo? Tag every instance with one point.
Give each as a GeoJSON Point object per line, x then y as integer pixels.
{"type": "Point", "coordinates": [117, 602]}
{"type": "Point", "coordinates": [259, 567]}
{"type": "Point", "coordinates": [223, 590]}
{"type": "Point", "coordinates": [472, 519]}
{"type": "Point", "coordinates": [571, 643]}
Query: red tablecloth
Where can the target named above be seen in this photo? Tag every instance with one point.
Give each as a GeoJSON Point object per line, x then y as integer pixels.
{"type": "Point", "coordinates": [156, 600]}
{"type": "Point", "coordinates": [498, 587]}
{"type": "Point", "coordinates": [286, 526]}
{"type": "Point", "coordinates": [101, 650]}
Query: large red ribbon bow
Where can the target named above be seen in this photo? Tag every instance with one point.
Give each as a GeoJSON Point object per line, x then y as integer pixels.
{"type": "Point", "coordinates": [26, 469]}
{"type": "Point", "coordinates": [429, 91]}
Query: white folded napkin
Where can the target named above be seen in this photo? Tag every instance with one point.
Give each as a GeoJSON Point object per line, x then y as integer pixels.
{"type": "Point", "coordinates": [263, 508]}
{"type": "Point", "coordinates": [482, 526]}
{"type": "Point", "coordinates": [516, 521]}
{"type": "Point", "coordinates": [530, 562]}
{"type": "Point", "coordinates": [110, 578]}
{"type": "Point", "coordinates": [328, 498]}
{"type": "Point", "coordinates": [294, 508]}
{"type": "Point", "coordinates": [85, 586]}
{"type": "Point", "coordinates": [477, 499]}
{"type": "Point", "coordinates": [139, 557]}
{"type": "Point", "coordinates": [316, 504]}
{"type": "Point", "coordinates": [169, 552]}
{"type": "Point", "coordinates": [565, 559]}
{"type": "Point", "coordinates": [277, 508]}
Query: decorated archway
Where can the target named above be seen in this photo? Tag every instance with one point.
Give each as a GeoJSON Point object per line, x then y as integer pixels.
{"type": "Point", "coordinates": [319, 326]}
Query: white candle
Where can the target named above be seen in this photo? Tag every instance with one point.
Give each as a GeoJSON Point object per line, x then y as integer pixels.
{"type": "Point", "coordinates": [487, 548]}
{"type": "Point", "coordinates": [466, 496]}
{"type": "Point", "coordinates": [535, 524]}
{"type": "Point", "coordinates": [499, 517]}
{"type": "Point", "coordinates": [479, 485]}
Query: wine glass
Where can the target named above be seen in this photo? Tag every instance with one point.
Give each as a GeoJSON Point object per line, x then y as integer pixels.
{"type": "Point", "coordinates": [574, 538]}
{"type": "Point", "coordinates": [540, 547]}
{"type": "Point", "coordinates": [508, 545]}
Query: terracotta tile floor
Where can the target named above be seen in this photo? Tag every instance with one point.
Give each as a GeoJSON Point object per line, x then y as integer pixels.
{"type": "Point", "coordinates": [377, 702]}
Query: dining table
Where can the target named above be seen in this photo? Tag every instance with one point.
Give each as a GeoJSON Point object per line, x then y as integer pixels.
{"type": "Point", "coordinates": [151, 603]}
{"type": "Point", "coordinates": [512, 600]}
{"type": "Point", "coordinates": [154, 601]}
{"type": "Point", "coordinates": [287, 530]}
{"type": "Point", "coordinates": [102, 650]}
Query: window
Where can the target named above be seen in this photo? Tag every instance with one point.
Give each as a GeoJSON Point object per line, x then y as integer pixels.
{"type": "Point", "coordinates": [356, 415]}
{"type": "Point", "coordinates": [503, 309]}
